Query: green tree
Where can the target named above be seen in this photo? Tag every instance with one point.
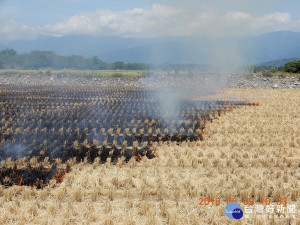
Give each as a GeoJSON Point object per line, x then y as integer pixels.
{"type": "Point", "coordinates": [7, 58]}
{"type": "Point", "coordinates": [39, 59]}
{"type": "Point", "coordinates": [8, 52]}
{"type": "Point", "coordinates": [119, 66]}
{"type": "Point", "coordinates": [96, 64]}
{"type": "Point", "coordinates": [292, 67]}
{"type": "Point", "coordinates": [48, 59]}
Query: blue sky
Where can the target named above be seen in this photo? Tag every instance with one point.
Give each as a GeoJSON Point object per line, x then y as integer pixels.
{"type": "Point", "coordinates": [39, 12]}
{"type": "Point", "coordinates": [146, 18]}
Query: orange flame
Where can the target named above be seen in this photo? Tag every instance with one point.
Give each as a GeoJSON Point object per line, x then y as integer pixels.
{"type": "Point", "coordinates": [59, 176]}
{"type": "Point", "coordinates": [21, 181]}
{"type": "Point", "coordinates": [138, 157]}
{"type": "Point", "coordinates": [200, 132]}
{"type": "Point", "coordinates": [258, 103]}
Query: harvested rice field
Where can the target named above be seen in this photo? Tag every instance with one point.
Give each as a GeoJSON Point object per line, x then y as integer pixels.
{"type": "Point", "coordinates": [249, 154]}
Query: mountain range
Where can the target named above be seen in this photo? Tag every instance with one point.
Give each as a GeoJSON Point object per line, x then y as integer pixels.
{"type": "Point", "coordinates": [203, 50]}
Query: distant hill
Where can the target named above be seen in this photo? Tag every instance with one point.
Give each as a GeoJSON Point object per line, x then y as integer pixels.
{"type": "Point", "coordinates": [263, 48]}
{"type": "Point", "coordinates": [278, 63]}
{"type": "Point", "coordinates": [2, 46]}
{"type": "Point", "coordinates": [86, 46]}
{"type": "Point", "coordinates": [276, 45]}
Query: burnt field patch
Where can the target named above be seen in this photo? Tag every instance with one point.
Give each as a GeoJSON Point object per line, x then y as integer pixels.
{"type": "Point", "coordinates": [44, 124]}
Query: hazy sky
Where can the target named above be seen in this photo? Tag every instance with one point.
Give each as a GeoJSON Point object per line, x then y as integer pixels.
{"type": "Point", "coordinates": [28, 19]}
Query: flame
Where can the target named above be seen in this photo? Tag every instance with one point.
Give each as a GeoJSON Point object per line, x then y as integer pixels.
{"type": "Point", "coordinates": [59, 176]}
{"type": "Point", "coordinates": [226, 109]}
{"type": "Point", "coordinates": [21, 180]}
{"type": "Point", "coordinates": [229, 108]}
{"type": "Point", "coordinates": [200, 132]}
{"type": "Point", "coordinates": [138, 157]}
{"type": "Point", "coordinates": [258, 103]}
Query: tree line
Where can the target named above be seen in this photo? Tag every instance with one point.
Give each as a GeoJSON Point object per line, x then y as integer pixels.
{"type": "Point", "coordinates": [292, 67]}
{"type": "Point", "coordinates": [289, 67]}
{"type": "Point", "coordinates": [10, 59]}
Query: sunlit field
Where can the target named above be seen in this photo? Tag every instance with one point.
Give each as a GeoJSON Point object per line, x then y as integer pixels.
{"type": "Point", "coordinates": [250, 152]}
